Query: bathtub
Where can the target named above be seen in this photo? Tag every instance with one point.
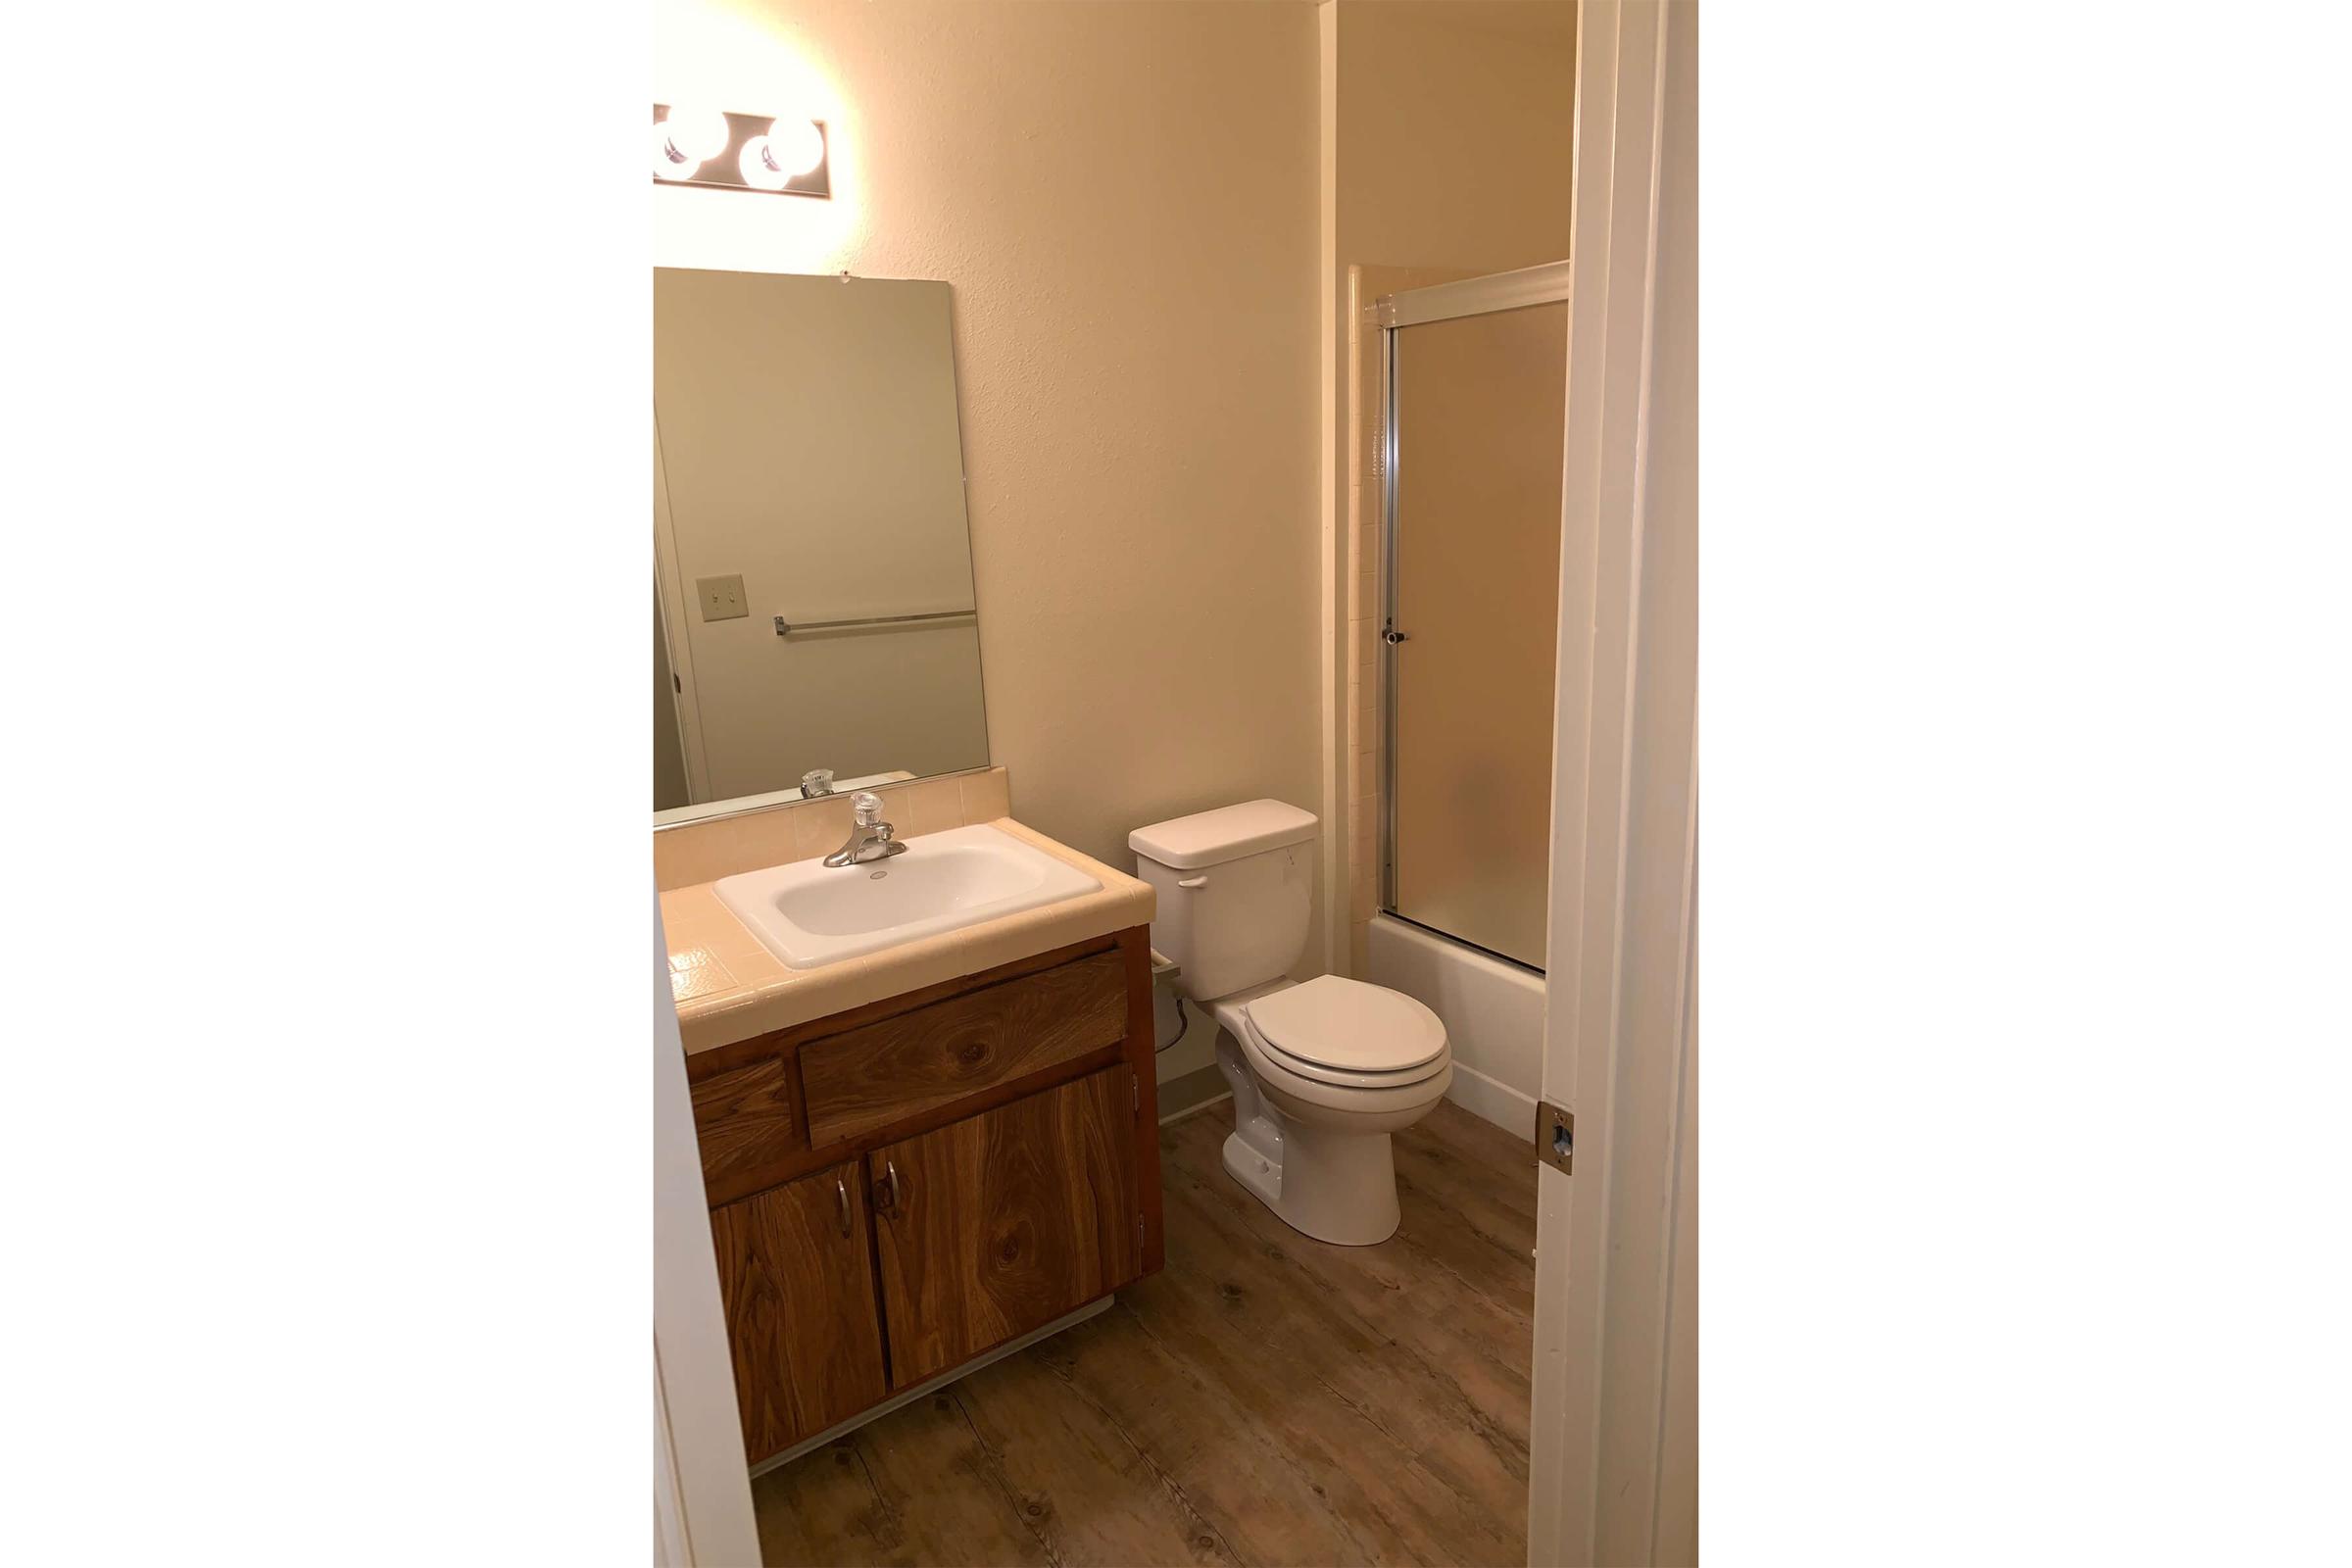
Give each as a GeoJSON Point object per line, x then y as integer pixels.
{"type": "Point", "coordinates": [1493, 1011]}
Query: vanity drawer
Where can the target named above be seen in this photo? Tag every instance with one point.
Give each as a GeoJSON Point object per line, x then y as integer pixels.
{"type": "Point", "coordinates": [747, 1119]}
{"type": "Point", "coordinates": [884, 1072]}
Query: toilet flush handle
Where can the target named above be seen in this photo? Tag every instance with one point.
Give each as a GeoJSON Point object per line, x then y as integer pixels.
{"type": "Point", "coordinates": [1192, 881]}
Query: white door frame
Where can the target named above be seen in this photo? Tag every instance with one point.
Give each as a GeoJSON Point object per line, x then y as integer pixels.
{"type": "Point", "coordinates": [1613, 1432]}
{"type": "Point", "coordinates": [702, 1486]}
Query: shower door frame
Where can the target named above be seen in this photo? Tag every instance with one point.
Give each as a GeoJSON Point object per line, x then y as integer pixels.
{"type": "Point", "coordinates": [1547, 284]}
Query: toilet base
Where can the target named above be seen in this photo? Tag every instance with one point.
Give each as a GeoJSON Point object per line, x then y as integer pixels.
{"type": "Point", "coordinates": [1335, 1186]}
{"type": "Point", "coordinates": [1254, 1170]}
{"type": "Point", "coordinates": [1340, 1190]}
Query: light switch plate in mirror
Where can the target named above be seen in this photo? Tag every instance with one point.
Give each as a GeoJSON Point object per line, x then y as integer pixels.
{"type": "Point", "coordinates": [722, 597]}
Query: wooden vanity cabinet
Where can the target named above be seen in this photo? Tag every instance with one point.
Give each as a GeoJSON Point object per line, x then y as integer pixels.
{"type": "Point", "coordinates": [871, 1078]}
{"type": "Point", "coordinates": [795, 1273]}
{"type": "Point", "coordinates": [900, 1188]}
{"type": "Point", "coordinates": [1005, 1220]}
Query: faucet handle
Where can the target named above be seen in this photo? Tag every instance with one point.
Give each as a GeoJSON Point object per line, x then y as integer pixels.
{"type": "Point", "coordinates": [868, 807]}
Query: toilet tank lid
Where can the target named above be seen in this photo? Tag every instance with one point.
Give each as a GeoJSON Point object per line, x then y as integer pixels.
{"type": "Point", "coordinates": [1211, 838]}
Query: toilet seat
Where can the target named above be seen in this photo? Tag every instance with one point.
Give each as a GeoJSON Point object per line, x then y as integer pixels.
{"type": "Point", "coordinates": [1348, 1034]}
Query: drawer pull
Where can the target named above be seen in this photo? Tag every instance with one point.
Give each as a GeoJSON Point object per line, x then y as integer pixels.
{"type": "Point", "coordinates": [841, 1190]}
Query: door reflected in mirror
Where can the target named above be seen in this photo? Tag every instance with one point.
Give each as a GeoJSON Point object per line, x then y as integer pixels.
{"type": "Point", "coordinates": [813, 603]}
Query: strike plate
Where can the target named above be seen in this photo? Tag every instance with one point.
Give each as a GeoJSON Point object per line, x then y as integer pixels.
{"type": "Point", "coordinates": [1556, 1136]}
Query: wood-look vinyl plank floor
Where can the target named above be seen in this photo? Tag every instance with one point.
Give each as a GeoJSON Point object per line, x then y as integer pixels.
{"type": "Point", "coordinates": [1264, 1400]}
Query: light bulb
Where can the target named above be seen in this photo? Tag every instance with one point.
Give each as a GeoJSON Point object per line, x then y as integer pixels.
{"type": "Point", "coordinates": [669, 163]}
{"type": "Point", "coordinates": [758, 166]}
{"type": "Point", "coordinates": [698, 133]}
{"type": "Point", "coordinates": [795, 146]}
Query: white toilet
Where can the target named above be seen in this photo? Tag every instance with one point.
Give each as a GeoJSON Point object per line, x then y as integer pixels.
{"type": "Point", "coordinates": [1322, 1071]}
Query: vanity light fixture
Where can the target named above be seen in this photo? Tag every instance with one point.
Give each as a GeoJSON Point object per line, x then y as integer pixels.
{"type": "Point", "coordinates": [686, 139]}
{"type": "Point", "coordinates": [779, 154]}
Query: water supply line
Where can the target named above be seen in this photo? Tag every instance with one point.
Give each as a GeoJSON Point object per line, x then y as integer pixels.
{"type": "Point", "coordinates": [1167, 969]}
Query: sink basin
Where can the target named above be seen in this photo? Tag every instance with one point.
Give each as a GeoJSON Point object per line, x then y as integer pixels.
{"type": "Point", "coordinates": [810, 913]}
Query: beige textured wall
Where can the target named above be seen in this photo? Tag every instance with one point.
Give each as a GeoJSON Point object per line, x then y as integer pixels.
{"type": "Point", "coordinates": [1456, 127]}
{"type": "Point", "coordinates": [1124, 197]}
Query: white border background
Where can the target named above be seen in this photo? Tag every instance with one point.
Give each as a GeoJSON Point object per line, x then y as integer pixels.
{"type": "Point", "coordinates": [2024, 695]}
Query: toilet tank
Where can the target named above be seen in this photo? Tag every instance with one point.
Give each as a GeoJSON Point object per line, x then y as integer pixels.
{"type": "Point", "coordinates": [1235, 886]}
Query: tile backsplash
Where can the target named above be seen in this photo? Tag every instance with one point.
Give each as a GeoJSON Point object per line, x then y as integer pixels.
{"type": "Point", "coordinates": [704, 851]}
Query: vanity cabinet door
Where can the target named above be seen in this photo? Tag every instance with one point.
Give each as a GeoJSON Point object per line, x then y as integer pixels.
{"type": "Point", "coordinates": [995, 1225]}
{"type": "Point", "coordinates": [797, 1278]}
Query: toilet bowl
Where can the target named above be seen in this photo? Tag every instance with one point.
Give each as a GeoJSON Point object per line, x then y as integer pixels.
{"type": "Point", "coordinates": [1323, 1070]}
{"type": "Point", "coordinates": [1310, 1139]}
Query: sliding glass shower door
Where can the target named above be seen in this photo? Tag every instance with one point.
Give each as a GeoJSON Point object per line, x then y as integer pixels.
{"type": "Point", "coordinates": [1476, 394]}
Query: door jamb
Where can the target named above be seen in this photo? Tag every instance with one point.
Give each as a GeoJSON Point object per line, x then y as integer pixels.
{"type": "Point", "coordinates": [702, 1486]}
{"type": "Point", "coordinates": [1588, 1320]}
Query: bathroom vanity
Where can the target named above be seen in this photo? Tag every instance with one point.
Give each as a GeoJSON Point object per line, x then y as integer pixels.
{"type": "Point", "coordinates": [901, 1186]}
{"type": "Point", "coordinates": [917, 1034]}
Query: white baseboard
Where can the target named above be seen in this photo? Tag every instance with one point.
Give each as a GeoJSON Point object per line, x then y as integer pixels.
{"type": "Point", "coordinates": [1200, 1105]}
{"type": "Point", "coordinates": [1499, 1102]}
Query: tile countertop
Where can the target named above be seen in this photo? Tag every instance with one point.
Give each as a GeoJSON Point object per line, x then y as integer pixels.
{"type": "Point", "coordinates": [730, 988]}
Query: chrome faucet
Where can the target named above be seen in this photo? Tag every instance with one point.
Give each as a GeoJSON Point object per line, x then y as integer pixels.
{"type": "Point", "coordinates": [870, 839]}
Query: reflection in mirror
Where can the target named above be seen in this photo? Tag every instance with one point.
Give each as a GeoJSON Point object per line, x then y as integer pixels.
{"type": "Point", "coordinates": [813, 603]}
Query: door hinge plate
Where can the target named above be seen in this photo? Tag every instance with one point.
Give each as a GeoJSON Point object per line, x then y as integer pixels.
{"type": "Point", "coordinates": [1555, 1136]}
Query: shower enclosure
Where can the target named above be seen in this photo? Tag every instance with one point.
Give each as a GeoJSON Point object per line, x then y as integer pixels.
{"type": "Point", "coordinates": [1474, 391]}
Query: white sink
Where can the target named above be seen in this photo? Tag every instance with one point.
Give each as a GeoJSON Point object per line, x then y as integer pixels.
{"type": "Point", "coordinates": [810, 913]}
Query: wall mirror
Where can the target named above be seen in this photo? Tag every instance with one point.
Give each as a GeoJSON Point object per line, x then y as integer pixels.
{"type": "Point", "coordinates": [812, 575]}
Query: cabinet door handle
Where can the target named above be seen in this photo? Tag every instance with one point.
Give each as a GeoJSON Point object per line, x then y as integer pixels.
{"type": "Point", "coordinates": [886, 1191]}
{"type": "Point", "coordinates": [840, 1189]}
